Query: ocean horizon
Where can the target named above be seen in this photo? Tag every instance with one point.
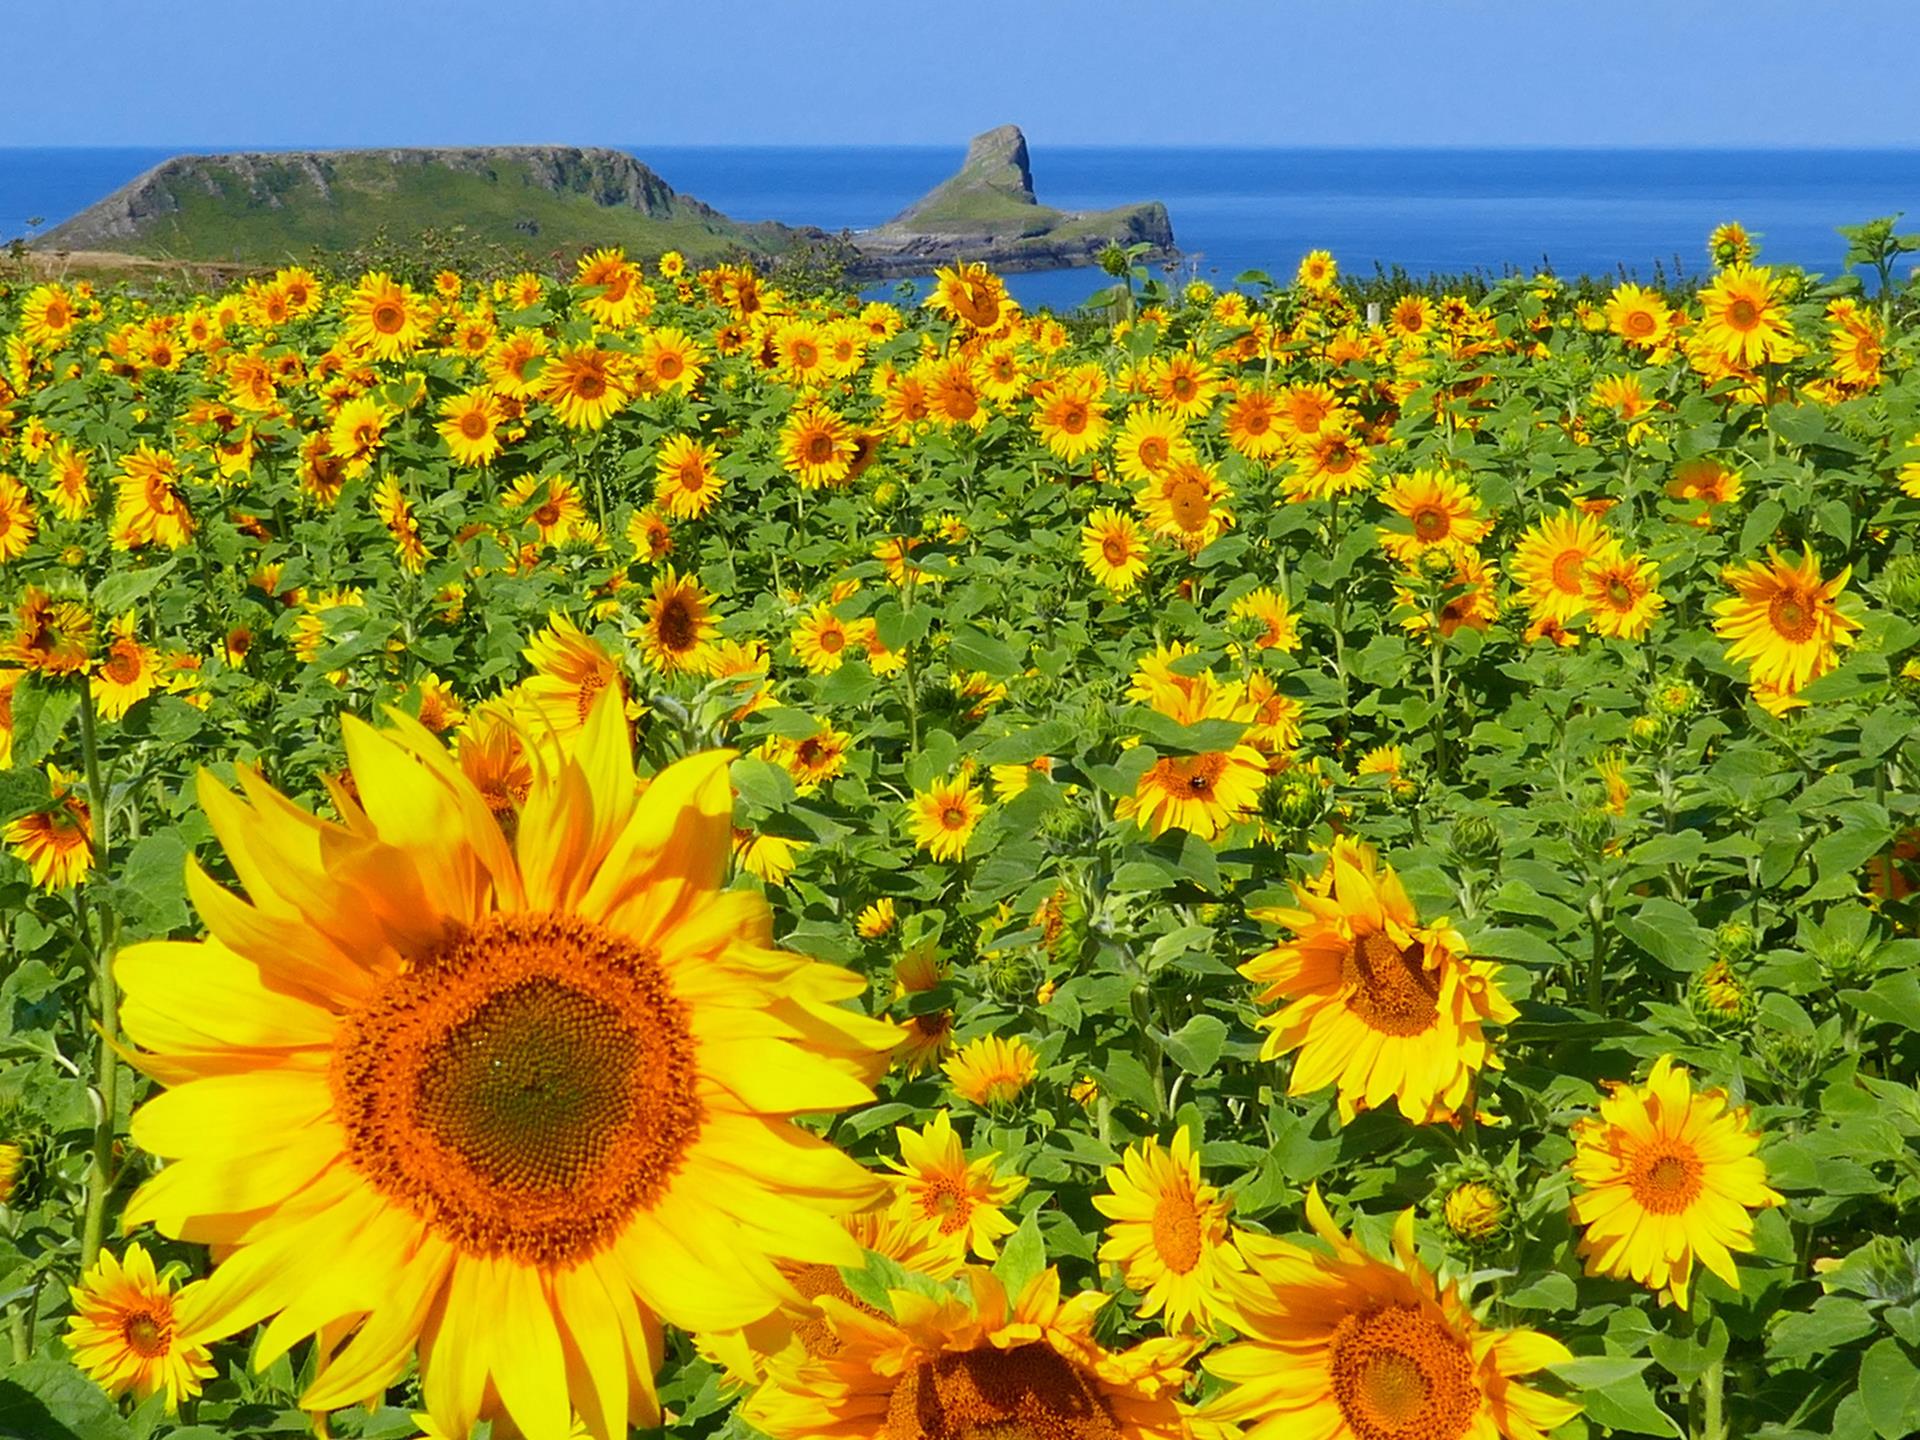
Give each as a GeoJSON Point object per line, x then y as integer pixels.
{"type": "Point", "coordinates": [1427, 210]}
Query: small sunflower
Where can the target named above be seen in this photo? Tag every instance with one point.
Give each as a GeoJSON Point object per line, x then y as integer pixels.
{"type": "Point", "coordinates": [1169, 1233]}
{"type": "Point", "coordinates": [944, 816]}
{"type": "Point", "coordinates": [1782, 622]}
{"type": "Point", "coordinates": [384, 318]}
{"type": "Point", "coordinates": [992, 1070]}
{"type": "Point", "coordinates": [1667, 1176]}
{"type": "Point", "coordinates": [1114, 550]}
{"type": "Point", "coordinates": [470, 424]}
{"type": "Point", "coordinates": [55, 844]}
{"type": "Point", "coordinates": [817, 446]}
{"type": "Point", "coordinates": [1622, 593]}
{"type": "Point", "coordinates": [678, 625]}
{"type": "Point", "coordinates": [1551, 561]}
{"type": "Point", "coordinates": [1441, 513]}
{"type": "Point", "coordinates": [686, 481]}
{"type": "Point", "coordinates": [125, 1332]}
{"type": "Point", "coordinates": [951, 1205]}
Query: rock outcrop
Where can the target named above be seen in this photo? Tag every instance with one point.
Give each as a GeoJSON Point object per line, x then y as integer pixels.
{"type": "Point", "coordinates": [988, 211]}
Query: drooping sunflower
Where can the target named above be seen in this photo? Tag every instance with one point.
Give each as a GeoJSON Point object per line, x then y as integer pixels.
{"type": "Point", "coordinates": [610, 288]}
{"type": "Point", "coordinates": [970, 294]}
{"type": "Point", "coordinates": [528, 1102]}
{"type": "Point", "coordinates": [571, 668]}
{"type": "Point", "coordinates": [1551, 561]}
{"type": "Point", "coordinates": [989, 1365]}
{"type": "Point", "coordinates": [1187, 504]}
{"type": "Point", "coordinates": [1708, 481]}
{"type": "Point", "coordinates": [991, 1070]}
{"type": "Point", "coordinates": [1622, 593]}
{"type": "Point", "coordinates": [149, 508]}
{"type": "Point", "coordinates": [470, 425]}
{"type": "Point", "coordinates": [1742, 320]}
{"type": "Point", "coordinates": [1730, 244]}
{"type": "Point", "coordinates": [583, 384]}
{"type": "Point", "coordinates": [1169, 1234]}
{"type": "Point", "coordinates": [1667, 1176]}
{"type": "Point", "coordinates": [1782, 621]}
{"type": "Point", "coordinates": [1350, 1347]}
{"type": "Point", "coordinates": [1443, 513]}
{"type": "Point", "coordinates": [124, 1333]}
{"type": "Point", "coordinates": [817, 446]}
{"type": "Point", "coordinates": [1279, 626]}
{"type": "Point", "coordinates": [1379, 1005]}
{"type": "Point", "coordinates": [686, 483]}
{"type": "Point", "coordinates": [384, 318]}
{"type": "Point", "coordinates": [943, 817]}
{"type": "Point", "coordinates": [50, 637]}
{"type": "Point", "coordinates": [949, 1204]}
{"type": "Point", "coordinates": [678, 625]}
{"type": "Point", "coordinates": [1114, 550]}
{"type": "Point", "coordinates": [1638, 316]}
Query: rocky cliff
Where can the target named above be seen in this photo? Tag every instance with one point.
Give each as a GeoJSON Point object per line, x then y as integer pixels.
{"type": "Point", "coordinates": [988, 211]}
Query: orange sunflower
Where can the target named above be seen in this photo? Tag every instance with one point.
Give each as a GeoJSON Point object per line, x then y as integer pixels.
{"type": "Point", "coordinates": [1379, 1005]}
{"type": "Point", "coordinates": [1169, 1233]}
{"type": "Point", "coordinates": [1782, 622]}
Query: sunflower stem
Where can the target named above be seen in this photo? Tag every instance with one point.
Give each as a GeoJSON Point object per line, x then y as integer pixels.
{"type": "Point", "coordinates": [106, 1066]}
{"type": "Point", "coordinates": [1713, 1425]}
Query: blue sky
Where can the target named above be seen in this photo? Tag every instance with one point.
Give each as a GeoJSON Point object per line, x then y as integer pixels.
{"type": "Point", "coordinates": [225, 73]}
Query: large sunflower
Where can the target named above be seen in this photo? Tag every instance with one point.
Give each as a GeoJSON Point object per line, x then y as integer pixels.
{"type": "Point", "coordinates": [686, 482]}
{"type": "Point", "coordinates": [1350, 1347]}
{"type": "Point", "coordinates": [1782, 621]}
{"type": "Point", "coordinates": [583, 384]}
{"type": "Point", "coordinates": [509, 1105]}
{"type": "Point", "coordinates": [1441, 513]}
{"type": "Point", "coordinates": [1666, 1177]}
{"type": "Point", "coordinates": [384, 318]}
{"type": "Point", "coordinates": [1169, 1234]}
{"type": "Point", "coordinates": [943, 1368]}
{"type": "Point", "coordinates": [1742, 321]}
{"type": "Point", "coordinates": [1551, 563]}
{"type": "Point", "coordinates": [1380, 1005]}
{"type": "Point", "coordinates": [680, 626]}
{"type": "Point", "coordinates": [948, 1203]}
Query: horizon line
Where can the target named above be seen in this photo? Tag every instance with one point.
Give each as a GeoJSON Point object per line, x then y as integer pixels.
{"type": "Point", "coordinates": [1330, 148]}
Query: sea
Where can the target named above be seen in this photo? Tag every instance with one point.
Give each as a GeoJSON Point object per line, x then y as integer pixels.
{"type": "Point", "coordinates": [1618, 213]}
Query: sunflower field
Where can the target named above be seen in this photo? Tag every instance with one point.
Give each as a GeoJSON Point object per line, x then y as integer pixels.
{"type": "Point", "coordinates": [595, 853]}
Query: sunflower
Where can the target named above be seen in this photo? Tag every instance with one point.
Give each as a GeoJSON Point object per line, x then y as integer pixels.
{"type": "Point", "coordinates": [1442, 513]}
{"type": "Point", "coordinates": [1317, 271]}
{"type": "Point", "coordinates": [990, 1365]}
{"type": "Point", "coordinates": [50, 637]}
{"type": "Point", "coordinates": [71, 490]}
{"type": "Point", "coordinates": [123, 1332]}
{"type": "Point", "coordinates": [583, 385]}
{"type": "Point", "coordinates": [1742, 321]}
{"type": "Point", "coordinates": [1169, 1235]}
{"type": "Point", "coordinates": [943, 817]}
{"type": "Point", "coordinates": [817, 446]}
{"type": "Point", "coordinates": [1622, 593]}
{"type": "Point", "coordinates": [129, 672]}
{"type": "Point", "coordinates": [571, 668]}
{"type": "Point", "coordinates": [1252, 423]}
{"type": "Point", "coordinates": [1379, 1004]}
{"type": "Point", "coordinates": [610, 288]}
{"type": "Point", "coordinates": [1114, 550]}
{"type": "Point", "coordinates": [1782, 621]}
{"type": "Point", "coordinates": [509, 362]}
{"type": "Point", "coordinates": [470, 425]}
{"type": "Point", "coordinates": [1331, 462]}
{"type": "Point", "coordinates": [1638, 316]}
{"type": "Point", "coordinates": [17, 520]}
{"type": "Point", "coordinates": [953, 394]}
{"type": "Point", "coordinates": [1187, 505]}
{"type": "Point", "coordinates": [814, 759]}
{"type": "Point", "coordinates": [1148, 442]}
{"type": "Point", "coordinates": [924, 1038]}
{"type": "Point", "coordinates": [678, 625]}
{"type": "Point", "coordinates": [529, 1102]}
{"type": "Point", "coordinates": [385, 319]}
{"type": "Point", "coordinates": [551, 504]}
{"type": "Point", "coordinates": [149, 508]}
{"type": "Point", "coordinates": [1711, 482]}
{"type": "Point", "coordinates": [991, 1070]}
{"type": "Point", "coordinates": [950, 1205]}
{"type": "Point", "coordinates": [768, 858]}
{"type": "Point", "coordinates": [1390, 761]}
{"type": "Point", "coordinates": [1070, 420]}
{"type": "Point", "coordinates": [1470, 601]}
{"type": "Point", "coordinates": [1279, 628]}
{"type": "Point", "coordinates": [1184, 384]}
{"type": "Point", "coordinates": [1730, 244]}
{"type": "Point", "coordinates": [395, 510]}
{"type": "Point", "coordinates": [357, 431]}
{"type": "Point", "coordinates": [47, 316]}
{"type": "Point", "coordinates": [873, 923]}
{"type": "Point", "coordinates": [670, 361]}
{"type": "Point", "coordinates": [1344, 1346]}
{"type": "Point", "coordinates": [1000, 373]}
{"type": "Point", "coordinates": [686, 482]}
{"type": "Point", "coordinates": [1204, 794]}
{"type": "Point", "coordinates": [1551, 563]}
{"type": "Point", "coordinates": [800, 351]}
{"type": "Point", "coordinates": [56, 844]}
{"type": "Point", "coordinates": [822, 640]}
{"type": "Point", "coordinates": [1305, 410]}
{"type": "Point", "coordinates": [971, 295]}
{"type": "Point", "coordinates": [650, 535]}
{"type": "Point", "coordinates": [1666, 1176]}
{"type": "Point", "coordinates": [1412, 317]}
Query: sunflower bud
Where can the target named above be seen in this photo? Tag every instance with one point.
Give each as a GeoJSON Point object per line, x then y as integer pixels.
{"type": "Point", "coordinates": [1719, 997]}
{"type": "Point", "coordinates": [1437, 563]}
{"type": "Point", "coordinates": [1675, 699]}
{"type": "Point", "coordinates": [1593, 828]}
{"type": "Point", "coordinates": [885, 493]}
{"type": "Point", "coordinates": [1900, 584]}
{"type": "Point", "coordinates": [1292, 800]}
{"type": "Point", "coordinates": [1646, 730]}
{"type": "Point", "coordinates": [1475, 1212]}
{"type": "Point", "coordinates": [1734, 941]}
{"type": "Point", "coordinates": [1112, 259]}
{"type": "Point", "coordinates": [1476, 841]}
